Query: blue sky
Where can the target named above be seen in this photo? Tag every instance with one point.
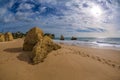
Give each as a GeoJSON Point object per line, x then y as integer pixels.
{"type": "Point", "coordinates": [81, 18]}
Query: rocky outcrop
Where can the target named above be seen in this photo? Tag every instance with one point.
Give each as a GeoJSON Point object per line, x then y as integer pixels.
{"type": "Point", "coordinates": [33, 36]}
{"type": "Point", "coordinates": [42, 48]}
{"type": "Point", "coordinates": [2, 38]}
{"type": "Point", "coordinates": [8, 36]}
{"type": "Point", "coordinates": [73, 38]}
{"type": "Point", "coordinates": [39, 44]}
{"type": "Point", "coordinates": [61, 37]}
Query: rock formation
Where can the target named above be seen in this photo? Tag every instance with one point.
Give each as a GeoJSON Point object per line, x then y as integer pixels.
{"type": "Point", "coordinates": [8, 36]}
{"type": "Point", "coordinates": [73, 38]}
{"type": "Point", "coordinates": [33, 36]}
{"type": "Point", "coordinates": [2, 38]}
{"type": "Point", "coordinates": [42, 48]}
{"type": "Point", "coordinates": [61, 37]}
{"type": "Point", "coordinates": [39, 45]}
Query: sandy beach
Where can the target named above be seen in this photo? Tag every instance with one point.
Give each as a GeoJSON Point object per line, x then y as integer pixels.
{"type": "Point", "coordinates": [67, 63]}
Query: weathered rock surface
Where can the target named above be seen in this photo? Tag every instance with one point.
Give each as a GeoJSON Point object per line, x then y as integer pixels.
{"type": "Point", "coordinates": [8, 36]}
{"type": "Point", "coordinates": [61, 37]}
{"type": "Point", "coordinates": [42, 48]}
{"type": "Point", "coordinates": [39, 45]}
{"type": "Point", "coordinates": [33, 36]}
{"type": "Point", "coordinates": [2, 38]}
{"type": "Point", "coordinates": [73, 38]}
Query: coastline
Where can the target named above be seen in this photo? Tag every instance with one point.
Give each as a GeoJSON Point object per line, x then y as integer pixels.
{"type": "Point", "coordinates": [91, 44]}
{"type": "Point", "coordinates": [68, 63]}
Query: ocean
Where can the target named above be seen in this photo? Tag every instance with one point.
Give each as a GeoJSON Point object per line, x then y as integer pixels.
{"type": "Point", "coordinates": [105, 43]}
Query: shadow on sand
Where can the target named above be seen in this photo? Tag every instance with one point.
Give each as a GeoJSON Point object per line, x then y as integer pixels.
{"type": "Point", "coordinates": [22, 55]}
{"type": "Point", "coordinates": [13, 50]}
{"type": "Point", "coordinates": [25, 56]}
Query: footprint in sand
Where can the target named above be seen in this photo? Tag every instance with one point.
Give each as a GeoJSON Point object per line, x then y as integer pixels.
{"type": "Point", "coordinates": [93, 57]}
{"type": "Point", "coordinates": [88, 55]}
{"type": "Point", "coordinates": [109, 61]}
{"type": "Point", "coordinates": [79, 53]}
{"type": "Point", "coordinates": [103, 60]}
{"type": "Point", "coordinates": [110, 64]}
{"type": "Point", "coordinates": [75, 52]}
{"type": "Point", "coordinates": [113, 65]}
{"type": "Point", "coordinates": [83, 54]}
{"type": "Point", "coordinates": [98, 59]}
{"type": "Point", "coordinates": [118, 67]}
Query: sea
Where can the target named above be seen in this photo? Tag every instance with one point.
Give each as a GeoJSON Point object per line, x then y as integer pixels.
{"type": "Point", "coordinates": [103, 43]}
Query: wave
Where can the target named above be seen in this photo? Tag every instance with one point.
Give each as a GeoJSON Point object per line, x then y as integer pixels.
{"type": "Point", "coordinates": [117, 43]}
{"type": "Point", "coordinates": [97, 43]}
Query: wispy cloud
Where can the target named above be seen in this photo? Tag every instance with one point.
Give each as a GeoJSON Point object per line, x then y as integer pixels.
{"type": "Point", "coordinates": [61, 16]}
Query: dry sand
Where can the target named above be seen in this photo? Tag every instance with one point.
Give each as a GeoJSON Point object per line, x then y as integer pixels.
{"type": "Point", "coordinates": [67, 63]}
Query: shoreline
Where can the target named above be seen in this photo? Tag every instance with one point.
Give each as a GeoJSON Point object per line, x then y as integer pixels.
{"type": "Point", "coordinates": [86, 44]}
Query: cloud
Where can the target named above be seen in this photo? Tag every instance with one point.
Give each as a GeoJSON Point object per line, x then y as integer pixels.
{"type": "Point", "coordinates": [72, 16]}
{"type": "Point", "coordinates": [91, 30]}
{"type": "Point", "coordinates": [25, 6]}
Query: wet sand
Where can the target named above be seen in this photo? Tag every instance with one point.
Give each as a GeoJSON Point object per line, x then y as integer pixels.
{"type": "Point", "coordinates": [67, 63]}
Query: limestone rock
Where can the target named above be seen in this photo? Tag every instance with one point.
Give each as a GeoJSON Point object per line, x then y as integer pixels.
{"type": "Point", "coordinates": [33, 36]}
{"type": "Point", "coordinates": [8, 36]}
{"type": "Point", "coordinates": [42, 48]}
{"type": "Point", "coordinates": [2, 38]}
{"type": "Point", "coordinates": [73, 38]}
{"type": "Point", "coordinates": [61, 37]}
{"type": "Point", "coordinates": [39, 44]}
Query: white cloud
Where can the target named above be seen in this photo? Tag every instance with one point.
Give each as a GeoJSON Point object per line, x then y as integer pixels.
{"type": "Point", "coordinates": [25, 6]}
{"type": "Point", "coordinates": [9, 18]}
{"type": "Point", "coordinates": [2, 11]}
{"type": "Point", "coordinates": [75, 15]}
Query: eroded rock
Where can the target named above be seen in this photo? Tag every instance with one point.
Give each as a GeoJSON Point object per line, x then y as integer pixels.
{"type": "Point", "coordinates": [39, 44]}
{"type": "Point", "coordinates": [33, 36]}
{"type": "Point", "coordinates": [2, 38]}
{"type": "Point", "coordinates": [42, 48]}
{"type": "Point", "coordinates": [8, 36]}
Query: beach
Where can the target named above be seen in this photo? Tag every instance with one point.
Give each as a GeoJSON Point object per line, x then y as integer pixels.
{"type": "Point", "coordinates": [68, 63]}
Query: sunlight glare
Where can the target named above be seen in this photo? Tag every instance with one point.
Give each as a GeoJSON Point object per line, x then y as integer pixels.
{"type": "Point", "coordinates": [96, 11]}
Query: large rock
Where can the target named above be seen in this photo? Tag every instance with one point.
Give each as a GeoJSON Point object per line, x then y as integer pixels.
{"type": "Point", "coordinates": [39, 44]}
{"type": "Point", "coordinates": [2, 38]}
{"type": "Point", "coordinates": [33, 36]}
{"type": "Point", "coordinates": [8, 36]}
{"type": "Point", "coordinates": [61, 37]}
{"type": "Point", "coordinates": [42, 48]}
{"type": "Point", "coordinates": [73, 38]}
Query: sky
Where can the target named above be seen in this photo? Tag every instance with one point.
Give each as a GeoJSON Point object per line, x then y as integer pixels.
{"type": "Point", "coordinates": [80, 18]}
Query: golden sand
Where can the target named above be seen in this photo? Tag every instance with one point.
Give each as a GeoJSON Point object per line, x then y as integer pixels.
{"type": "Point", "coordinates": [67, 63]}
